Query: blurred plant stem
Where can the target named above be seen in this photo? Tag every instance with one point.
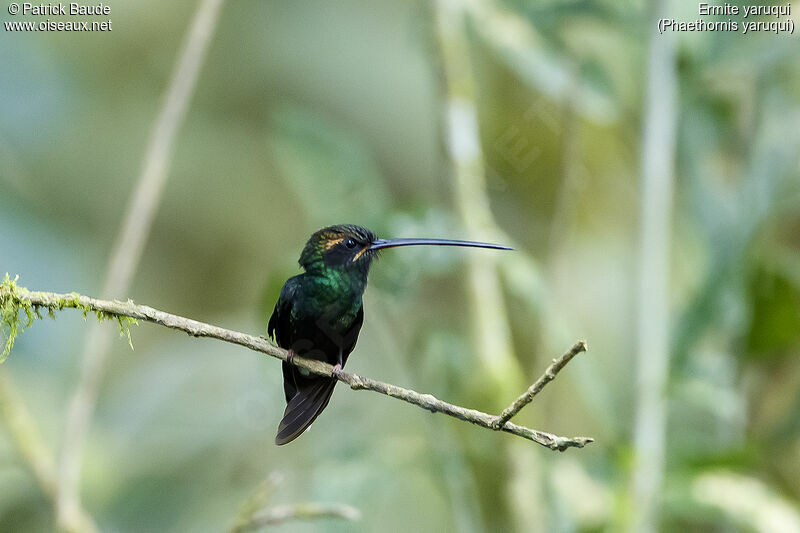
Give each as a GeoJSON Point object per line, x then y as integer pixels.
{"type": "Point", "coordinates": [570, 165]}
{"type": "Point", "coordinates": [25, 436]}
{"type": "Point", "coordinates": [128, 248]}
{"type": "Point", "coordinates": [15, 178]}
{"type": "Point", "coordinates": [281, 514]}
{"type": "Point", "coordinates": [491, 329]}
{"type": "Point", "coordinates": [652, 339]}
{"type": "Point", "coordinates": [488, 312]}
{"type": "Point", "coordinates": [254, 514]}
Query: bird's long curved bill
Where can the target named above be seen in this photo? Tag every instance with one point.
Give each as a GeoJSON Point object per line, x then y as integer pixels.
{"type": "Point", "coordinates": [379, 244]}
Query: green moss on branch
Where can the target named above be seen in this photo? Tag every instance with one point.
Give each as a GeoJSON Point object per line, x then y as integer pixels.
{"type": "Point", "coordinates": [15, 300]}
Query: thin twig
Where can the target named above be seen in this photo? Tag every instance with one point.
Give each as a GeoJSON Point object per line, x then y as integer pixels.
{"type": "Point", "coordinates": [257, 501]}
{"type": "Point", "coordinates": [280, 514]}
{"type": "Point", "coordinates": [254, 513]}
{"type": "Point", "coordinates": [24, 298]}
{"type": "Point", "coordinates": [130, 243]}
{"type": "Point", "coordinates": [549, 375]}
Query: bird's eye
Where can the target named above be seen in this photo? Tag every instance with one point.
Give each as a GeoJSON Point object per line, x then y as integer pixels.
{"type": "Point", "coordinates": [350, 243]}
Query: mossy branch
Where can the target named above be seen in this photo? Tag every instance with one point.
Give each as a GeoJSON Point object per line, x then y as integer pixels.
{"type": "Point", "coordinates": [15, 299]}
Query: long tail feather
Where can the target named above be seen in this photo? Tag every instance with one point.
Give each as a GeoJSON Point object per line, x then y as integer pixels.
{"type": "Point", "coordinates": [303, 408]}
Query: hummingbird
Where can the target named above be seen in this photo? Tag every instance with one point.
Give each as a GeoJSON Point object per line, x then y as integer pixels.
{"type": "Point", "coordinates": [319, 314]}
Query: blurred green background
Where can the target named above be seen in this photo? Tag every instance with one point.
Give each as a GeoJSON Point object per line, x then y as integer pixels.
{"type": "Point", "coordinates": [312, 113]}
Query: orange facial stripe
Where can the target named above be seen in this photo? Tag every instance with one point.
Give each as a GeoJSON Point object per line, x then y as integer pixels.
{"type": "Point", "coordinates": [360, 253]}
{"type": "Point", "coordinates": [333, 242]}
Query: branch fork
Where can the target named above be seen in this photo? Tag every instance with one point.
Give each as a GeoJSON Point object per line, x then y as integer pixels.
{"type": "Point", "coordinates": [549, 375]}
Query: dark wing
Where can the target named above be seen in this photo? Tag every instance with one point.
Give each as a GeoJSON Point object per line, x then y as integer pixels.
{"type": "Point", "coordinates": [282, 329]}
{"type": "Point", "coordinates": [351, 337]}
{"type": "Point", "coordinates": [311, 394]}
{"type": "Point", "coordinates": [280, 323]}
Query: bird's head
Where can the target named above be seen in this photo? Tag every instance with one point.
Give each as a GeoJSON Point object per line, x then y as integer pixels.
{"type": "Point", "coordinates": [344, 247]}
{"type": "Point", "coordinates": [352, 248]}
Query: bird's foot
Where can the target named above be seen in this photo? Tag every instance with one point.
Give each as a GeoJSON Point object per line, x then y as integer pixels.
{"type": "Point", "coordinates": [290, 356]}
{"type": "Point", "coordinates": [337, 370]}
